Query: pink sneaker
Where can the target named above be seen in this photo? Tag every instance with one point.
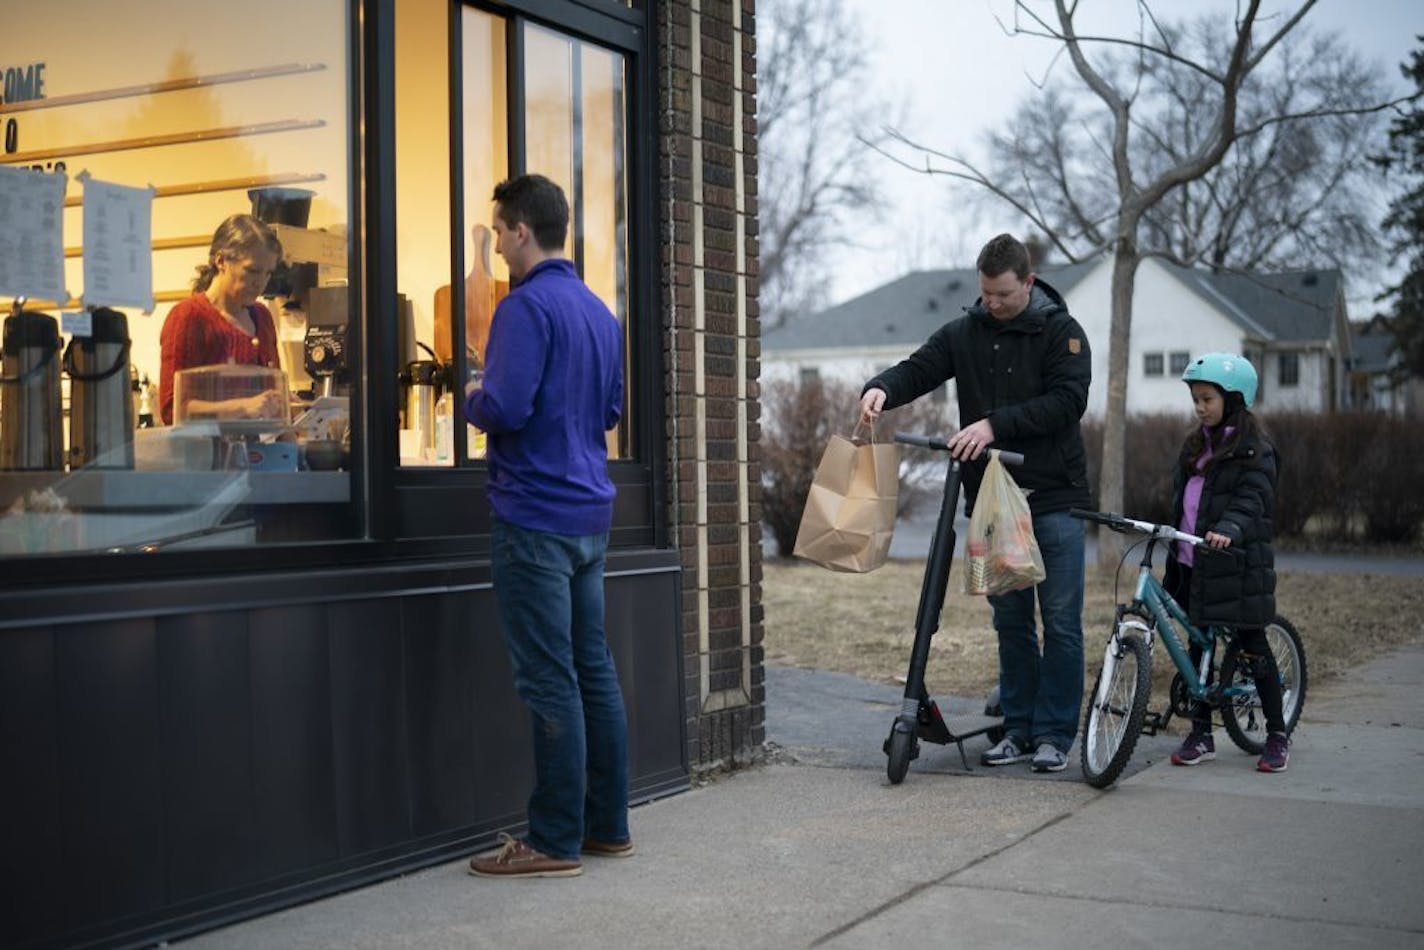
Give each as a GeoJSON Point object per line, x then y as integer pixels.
{"type": "Point", "coordinates": [1196, 748]}
{"type": "Point", "coordinates": [1276, 756]}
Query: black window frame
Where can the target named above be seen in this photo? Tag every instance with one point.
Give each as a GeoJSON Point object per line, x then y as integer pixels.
{"type": "Point", "coordinates": [1153, 364]}
{"type": "Point", "coordinates": [382, 492]}
{"type": "Point", "coordinates": [429, 505]}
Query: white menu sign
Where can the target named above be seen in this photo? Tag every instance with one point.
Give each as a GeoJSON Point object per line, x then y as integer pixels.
{"type": "Point", "coordinates": [118, 247]}
{"type": "Point", "coordinates": [31, 234]}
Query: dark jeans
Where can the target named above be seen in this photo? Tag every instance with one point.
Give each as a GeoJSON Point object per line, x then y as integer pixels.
{"type": "Point", "coordinates": [1041, 692]}
{"type": "Point", "coordinates": [550, 593]}
{"type": "Point", "coordinates": [1253, 641]}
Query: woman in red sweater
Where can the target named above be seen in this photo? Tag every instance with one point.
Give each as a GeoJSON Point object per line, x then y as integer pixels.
{"type": "Point", "coordinates": [223, 322]}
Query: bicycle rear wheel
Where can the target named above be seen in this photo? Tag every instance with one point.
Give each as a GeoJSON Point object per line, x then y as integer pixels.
{"type": "Point", "coordinates": [1245, 722]}
{"type": "Point", "coordinates": [1116, 708]}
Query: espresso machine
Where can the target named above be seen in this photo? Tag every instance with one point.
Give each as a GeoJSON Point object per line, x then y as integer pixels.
{"type": "Point", "coordinates": [312, 276]}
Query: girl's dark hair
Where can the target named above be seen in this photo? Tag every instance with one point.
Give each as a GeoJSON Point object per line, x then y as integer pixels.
{"type": "Point", "coordinates": [1237, 418]}
{"type": "Point", "coordinates": [241, 235]}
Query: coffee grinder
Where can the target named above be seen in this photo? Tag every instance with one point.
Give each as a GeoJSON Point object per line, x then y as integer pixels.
{"type": "Point", "coordinates": [326, 343]}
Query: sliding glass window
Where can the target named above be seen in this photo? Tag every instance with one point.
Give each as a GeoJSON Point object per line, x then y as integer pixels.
{"type": "Point", "coordinates": [564, 118]}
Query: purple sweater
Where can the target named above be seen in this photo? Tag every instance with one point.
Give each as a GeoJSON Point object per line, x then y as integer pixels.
{"type": "Point", "coordinates": [553, 385]}
{"type": "Point", "coordinates": [1191, 499]}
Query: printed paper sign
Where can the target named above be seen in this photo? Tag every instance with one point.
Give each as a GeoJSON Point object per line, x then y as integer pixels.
{"type": "Point", "coordinates": [118, 247]}
{"type": "Point", "coordinates": [32, 234]}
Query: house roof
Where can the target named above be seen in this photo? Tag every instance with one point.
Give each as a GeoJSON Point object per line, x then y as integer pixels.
{"type": "Point", "coordinates": [1372, 348]}
{"type": "Point", "coordinates": [901, 313]}
{"type": "Point", "coordinates": [1287, 307]}
{"type": "Point", "coordinates": [1291, 306]}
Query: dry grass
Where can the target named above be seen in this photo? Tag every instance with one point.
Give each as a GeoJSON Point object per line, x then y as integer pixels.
{"type": "Point", "coordinates": [864, 624]}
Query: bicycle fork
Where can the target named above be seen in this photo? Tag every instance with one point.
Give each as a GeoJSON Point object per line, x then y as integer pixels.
{"type": "Point", "coordinates": [1102, 698]}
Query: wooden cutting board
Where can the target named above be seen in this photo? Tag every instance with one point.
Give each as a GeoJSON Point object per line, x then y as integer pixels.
{"type": "Point", "coordinates": [482, 293]}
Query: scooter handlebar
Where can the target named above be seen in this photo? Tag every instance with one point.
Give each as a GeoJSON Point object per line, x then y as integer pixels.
{"type": "Point", "coordinates": [930, 442]}
{"type": "Point", "coordinates": [923, 441]}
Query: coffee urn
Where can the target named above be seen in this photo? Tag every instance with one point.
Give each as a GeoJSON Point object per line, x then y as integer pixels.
{"type": "Point", "coordinates": [101, 420]}
{"type": "Point", "coordinates": [31, 433]}
{"type": "Point", "coordinates": [422, 380]}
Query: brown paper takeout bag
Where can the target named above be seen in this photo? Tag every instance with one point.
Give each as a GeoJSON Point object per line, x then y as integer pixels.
{"type": "Point", "coordinates": [849, 517]}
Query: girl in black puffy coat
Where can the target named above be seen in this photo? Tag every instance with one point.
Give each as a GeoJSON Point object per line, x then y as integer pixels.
{"type": "Point", "coordinates": [1225, 492]}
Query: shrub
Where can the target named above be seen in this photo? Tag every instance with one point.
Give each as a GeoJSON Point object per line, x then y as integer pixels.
{"type": "Point", "coordinates": [1389, 477]}
{"type": "Point", "coordinates": [1302, 442]}
{"type": "Point", "coordinates": [1343, 477]}
{"type": "Point", "coordinates": [1153, 444]}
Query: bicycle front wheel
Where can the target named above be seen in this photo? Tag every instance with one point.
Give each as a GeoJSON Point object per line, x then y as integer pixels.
{"type": "Point", "coordinates": [1116, 709]}
{"type": "Point", "coordinates": [1245, 722]}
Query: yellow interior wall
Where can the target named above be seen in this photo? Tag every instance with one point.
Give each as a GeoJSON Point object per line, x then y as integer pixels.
{"type": "Point", "coordinates": [171, 39]}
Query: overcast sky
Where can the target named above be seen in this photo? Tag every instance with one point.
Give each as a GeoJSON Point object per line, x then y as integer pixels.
{"type": "Point", "coordinates": [939, 56]}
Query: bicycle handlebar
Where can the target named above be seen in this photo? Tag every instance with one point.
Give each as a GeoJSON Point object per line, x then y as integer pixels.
{"type": "Point", "coordinates": [1118, 523]}
{"type": "Point", "coordinates": [930, 442]}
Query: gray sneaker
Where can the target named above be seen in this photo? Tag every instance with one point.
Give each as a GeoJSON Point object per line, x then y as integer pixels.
{"type": "Point", "coordinates": [1007, 752]}
{"type": "Point", "coordinates": [1048, 759]}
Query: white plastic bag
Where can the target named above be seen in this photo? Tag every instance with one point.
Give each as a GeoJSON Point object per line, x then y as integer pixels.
{"type": "Point", "coordinates": [1001, 552]}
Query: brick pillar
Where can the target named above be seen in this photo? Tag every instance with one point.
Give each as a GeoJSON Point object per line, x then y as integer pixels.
{"type": "Point", "coordinates": [707, 190]}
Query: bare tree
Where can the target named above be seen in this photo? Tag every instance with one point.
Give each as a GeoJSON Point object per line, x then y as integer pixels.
{"type": "Point", "coordinates": [1171, 154]}
{"type": "Point", "coordinates": [815, 179]}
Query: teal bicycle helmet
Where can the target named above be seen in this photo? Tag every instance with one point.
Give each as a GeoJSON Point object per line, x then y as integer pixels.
{"type": "Point", "coordinates": [1230, 371]}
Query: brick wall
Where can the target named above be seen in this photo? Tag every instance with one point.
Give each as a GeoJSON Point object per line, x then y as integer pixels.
{"type": "Point", "coordinates": [711, 336]}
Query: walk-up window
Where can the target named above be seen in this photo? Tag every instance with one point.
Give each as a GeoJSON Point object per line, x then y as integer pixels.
{"type": "Point", "coordinates": [560, 111]}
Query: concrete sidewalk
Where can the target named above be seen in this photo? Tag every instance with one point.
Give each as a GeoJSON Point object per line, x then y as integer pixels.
{"type": "Point", "coordinates": [819, 850]}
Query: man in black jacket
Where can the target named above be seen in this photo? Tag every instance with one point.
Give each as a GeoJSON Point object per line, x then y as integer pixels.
{"type": "Point", "coordinates": [1022, 367]}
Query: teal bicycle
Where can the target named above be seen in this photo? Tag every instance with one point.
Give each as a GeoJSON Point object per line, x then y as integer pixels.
{"type": "Point", "coordinates": [1117, 710]}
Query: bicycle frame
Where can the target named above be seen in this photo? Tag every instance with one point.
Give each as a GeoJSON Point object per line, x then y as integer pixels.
{"type": "Point", "coordinates": [1118, 711]}
{"type": "Point", "coordinates": [1170, 619]}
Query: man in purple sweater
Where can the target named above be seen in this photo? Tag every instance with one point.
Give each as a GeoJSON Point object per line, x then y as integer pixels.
{"type": "Point", "coordinates": [552, 388]}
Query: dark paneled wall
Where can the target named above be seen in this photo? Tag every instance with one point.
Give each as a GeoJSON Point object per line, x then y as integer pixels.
{"type": "Point", "coordinates": [166, 773]}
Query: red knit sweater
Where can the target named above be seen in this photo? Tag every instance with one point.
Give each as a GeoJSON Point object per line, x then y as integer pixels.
{"type": "Point", "coordinates": [195, 333]}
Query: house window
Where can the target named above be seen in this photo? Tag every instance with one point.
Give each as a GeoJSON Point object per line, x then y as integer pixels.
{"type": "Point", "coordinates": [1178, 361]}
{"type": "Point", "coordinates": [1289, 369]}
{"type": "Point", "coordinates": [810, 375]}
{"type": "Point", "coordinates": [1152, 364]}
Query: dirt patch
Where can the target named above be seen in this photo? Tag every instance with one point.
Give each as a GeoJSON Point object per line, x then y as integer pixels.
{"type": "Point", "coordinates": [864, 624]}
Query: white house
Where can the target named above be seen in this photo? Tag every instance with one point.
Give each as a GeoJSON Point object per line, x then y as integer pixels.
{"type": "Point", "coordinates": [1293, 326]}
{"type": "Point", "coordinates": [1376, 382]}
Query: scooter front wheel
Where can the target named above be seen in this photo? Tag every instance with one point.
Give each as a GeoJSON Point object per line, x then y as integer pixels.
{"type": "Point", "coordinates": [901, 747]}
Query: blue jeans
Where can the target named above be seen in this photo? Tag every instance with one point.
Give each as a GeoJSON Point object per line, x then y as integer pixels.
{"type": "Point", "coordinates": [550, 593]}
{"type": "Point", "coordinates": [1041, 692]}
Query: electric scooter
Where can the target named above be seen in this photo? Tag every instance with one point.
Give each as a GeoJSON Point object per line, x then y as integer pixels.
{"type": "Point", "coordinates": [920, 717]}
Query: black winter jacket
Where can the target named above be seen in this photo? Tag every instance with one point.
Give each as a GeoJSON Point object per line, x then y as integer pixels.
{"type": "Point", "coordinates": [1029, 376]}
{"type": "Point", "coordinates": [1237, 586]}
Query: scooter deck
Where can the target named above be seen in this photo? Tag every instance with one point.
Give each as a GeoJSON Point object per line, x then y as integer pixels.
{"type": "Point", "coordinates": [933, 727]}
{"type": "Point", "coordinates": [963, 727]}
